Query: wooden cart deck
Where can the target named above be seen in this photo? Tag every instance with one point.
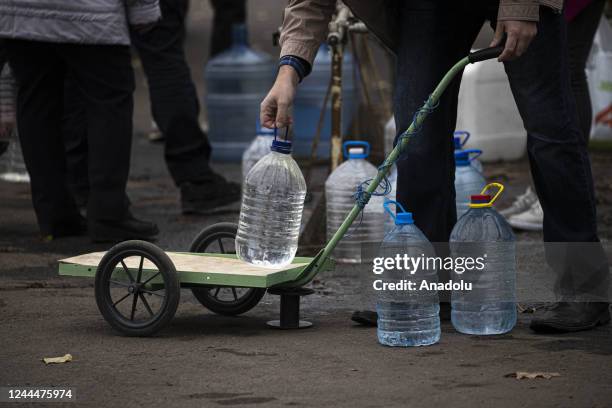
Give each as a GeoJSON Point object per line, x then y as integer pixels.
{"type": "Point", "coordinates": [197, 269]}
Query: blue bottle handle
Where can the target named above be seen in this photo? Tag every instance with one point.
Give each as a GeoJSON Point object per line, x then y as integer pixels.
{"type": "Point", "coordinates": [460, 133]}
{"type": "Point", "coordinates": [356, 143]}
{"type": "Point", "coordinates": [387, 209]}
{"type": "Point", "coordinates": [476, 153]}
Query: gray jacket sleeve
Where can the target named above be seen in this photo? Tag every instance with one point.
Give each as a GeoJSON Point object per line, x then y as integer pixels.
{"type": "Point", "coordinates": [143, 11]}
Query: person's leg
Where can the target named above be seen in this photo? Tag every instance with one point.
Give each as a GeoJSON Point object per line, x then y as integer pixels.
{"type": "Point", "coordinates": [175, 109]}
{"type": "Point", "coordinates": [580, 33]}
{"type": "Point", "coordinates": [226, 13]}
{"type": "Point", "coordinates": [560, 167]}
{"type": "Point", "coordinates": [74, 131]}
{"type": "Point", "coordinates": [434, 35]}
{"type": "Point", "coordinates": [103, 74]}
{"type": "Point", "coordinates": [40, 76]}
{"type": "Point", "coordinates": [174, 102]}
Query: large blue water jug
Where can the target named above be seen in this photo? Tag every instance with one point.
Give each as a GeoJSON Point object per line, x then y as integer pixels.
{"type": "Point", "coordinates": [489, 305]}
{"type": "Point", "coordinates": [468, 180]}
{"type": "Point", "coordinates": [309, 101]}
{"type": "Point", "coordinates": [237, 80]}
{"type": "Point", "coordinates": [460, 138]}
{"type": "Point", "coordinates": [407, 317]}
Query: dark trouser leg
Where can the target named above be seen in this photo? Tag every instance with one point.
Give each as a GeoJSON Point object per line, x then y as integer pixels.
{"type": "Point", "coordinates": [580, 33]}
{"type": "Point", "coordinates": [434, 35]}
{"type": "Point", "coordinates": [173, 96]}
{"type": "Point", "coordinates": [558, 157]}
{"type": "Point", "coordinates": [40, 75]}
{"type": "Point", "coordinates": [104, 76]}
{"type": "Point", "coordinates": [74, 131]}
{"type": "Point", "coordinates": [227, 12]}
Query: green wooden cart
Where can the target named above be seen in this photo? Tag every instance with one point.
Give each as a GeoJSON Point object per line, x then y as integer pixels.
{"type": "Point", "coordinates": [137, 285]}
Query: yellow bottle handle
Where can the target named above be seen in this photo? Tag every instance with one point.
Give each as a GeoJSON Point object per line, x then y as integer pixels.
{"type": "Point", "coordinates": [484, 191]}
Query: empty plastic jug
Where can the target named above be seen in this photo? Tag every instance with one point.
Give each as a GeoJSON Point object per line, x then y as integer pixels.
{"type": "Point", "coordinates": [407, 317]}
{"type": "Point", "coordinates": [390, 134]}
{"type": "Point", "coordinates": [392, 177]}
{"type": "Point", "coordinates": [259, 147]}
{"type": "Point", "coordinates": [460, 138]}
{"type": "Point", "coordinates": [236, 82]}
{"type": "Point", "coordinates": [12, 166]}
{"type": "Point", "coordinates": [486, 107]}
{"type": "Point", "coordinates": [273, 196]}
{"type": "Point", "coordinates": [340, 188]}
{"type": "Point", "coordinates": [468, 180]}
{"type": "Point", "coordinates": [309, 102]}
{"type": "Point", "coordinates": [490, 306]}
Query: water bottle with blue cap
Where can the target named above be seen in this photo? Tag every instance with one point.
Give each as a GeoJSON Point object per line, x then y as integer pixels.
{"type": "Point", "coordinates": [460, 138]}
{"type": "Point", "coordinates": [340, 189]}
{"type": "Point", "coordinates": [489, 306]}
{"type": "Point", "coordinates": [273, 194]}
{"type": "Point", "coordinates": [259, 147]}
{"type": "Point", "coordinates": [408, 317]}
{"type": "Point", "coordinates": [468, 180]}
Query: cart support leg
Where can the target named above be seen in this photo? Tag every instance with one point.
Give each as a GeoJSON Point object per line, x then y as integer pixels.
{"type": "Point", "coordinates": [290, 308]}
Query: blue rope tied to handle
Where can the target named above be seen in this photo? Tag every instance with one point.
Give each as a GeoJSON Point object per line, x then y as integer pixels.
{"type": "Point", "coordinates": [361, 196]}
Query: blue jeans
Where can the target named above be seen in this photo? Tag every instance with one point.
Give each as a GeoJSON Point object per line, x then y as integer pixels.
{"type": "Point", "coordinates": [434, 35]}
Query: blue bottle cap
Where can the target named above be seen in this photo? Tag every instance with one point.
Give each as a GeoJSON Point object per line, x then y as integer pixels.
{"type": "Point", "coordinates": [362, 151]}
{"type": "Point", "coordinates": [457, 141]}
{"type": "Point", "coordinates": [464, 157]}
{"type": "Point", "coordinates": [404, 218]}
{"type": "Point", "coordinates": [281, 146]}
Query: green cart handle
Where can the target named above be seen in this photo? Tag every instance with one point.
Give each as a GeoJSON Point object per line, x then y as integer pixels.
{"type": "Point", "coordinates": [319, 261]}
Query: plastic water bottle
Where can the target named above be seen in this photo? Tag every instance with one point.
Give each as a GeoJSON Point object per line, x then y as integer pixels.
{"type": "Point", "coordinates": [389, 138]}
{"type": "Point", "coordinates": [407, 317]}
{"type": "Point", "coordinates": [390, 134]}
{"type": "Point", "coordinates": [309, 102]}
{"type": "Point", "coordinates": [468, 180]}
{"type": "Point", "coordinates": [257, 149]}
{"type": "Point", "coordinates": [392, 177]}
{"type": "Point", "coordinates": [460, 138]}
{"type": "Point", "coordinates": [490, 306]}
{"type": "Point", "coordinates": [236, 82]}
{"type": "Point", "coordinates": [273, 196]}
{"type": "Point", "coordinates": [340, 187]}
{"type": "Point", "coordinates": [12, 165]}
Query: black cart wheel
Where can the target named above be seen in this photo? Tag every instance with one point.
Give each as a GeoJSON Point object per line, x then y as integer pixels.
{"type": "Point", "coordinates": [226, 300]}
{"type": "Point", "coordinates": [137, 288]}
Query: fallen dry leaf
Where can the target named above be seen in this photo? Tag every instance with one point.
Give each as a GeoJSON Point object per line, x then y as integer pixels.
{"type": "Point", "coordinates": [520, 375]}
{"type": "Point", "coordinates": [58, 360]}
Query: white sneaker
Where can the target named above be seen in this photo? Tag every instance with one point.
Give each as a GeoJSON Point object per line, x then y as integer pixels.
{"type": "Point", "coordinates": [530, 220]}
{"type": "Point", "coordinates": [521, 204]}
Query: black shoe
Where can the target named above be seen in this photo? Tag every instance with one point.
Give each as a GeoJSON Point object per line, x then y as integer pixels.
{"type": "Point", "coordinates": [203, 198]}
{"type": "Point", "coordinates": [74, 227]}
{"type": "Point", "coordinates": [565, 317]}
{"type": "Point", "coordinates": [128, 228]}
{"type": "Point", "coordinates": [365, 318]}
